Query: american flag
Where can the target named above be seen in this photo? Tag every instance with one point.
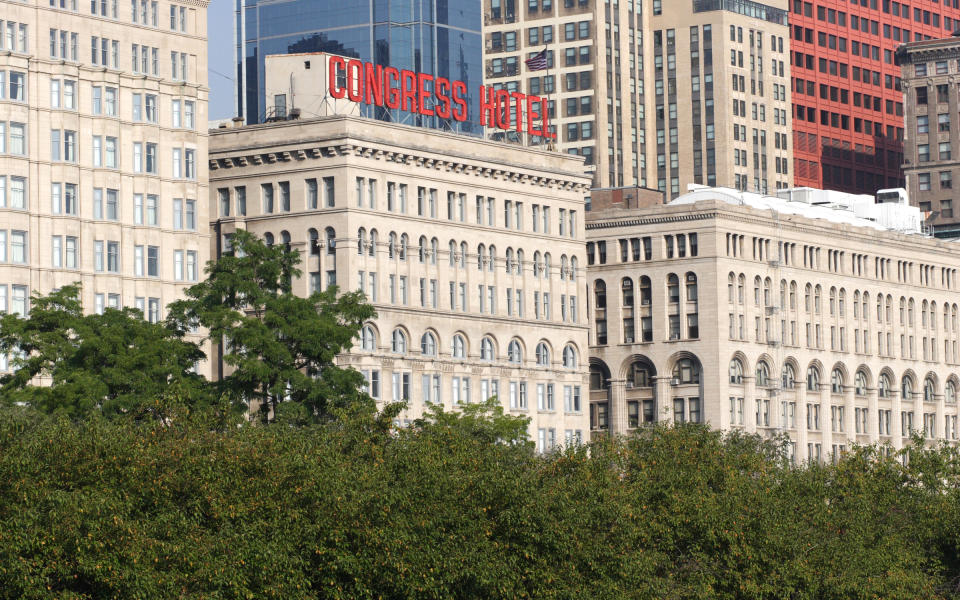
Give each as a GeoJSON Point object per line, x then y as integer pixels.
{"type": "Point", "coordinates": [537, 62]}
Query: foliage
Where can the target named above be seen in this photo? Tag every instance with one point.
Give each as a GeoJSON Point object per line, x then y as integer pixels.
{"type": "Point", "coordinates": [277, 345]}
{"type": "Point", "coordinates": [65, 361]}
{"type": "Point", "coordinates": [451, 508]}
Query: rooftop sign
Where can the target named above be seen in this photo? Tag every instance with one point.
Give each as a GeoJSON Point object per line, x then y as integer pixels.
{"type": "Point", "coordinates": [424, 94]}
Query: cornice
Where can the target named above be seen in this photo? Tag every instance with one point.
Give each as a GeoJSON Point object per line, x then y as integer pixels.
{"type": "Point", "coordinates": [632, 222]}
{"type": "Point", "coordinates": [374, 150]}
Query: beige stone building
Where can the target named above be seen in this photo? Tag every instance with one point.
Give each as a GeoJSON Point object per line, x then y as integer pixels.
{"type": "Point", "coordinates": [931, 76]}
{"type": "Point", "coordinates": [656, 93]}
{"type": "Point", "coordinates": [824, 316]}
{"type": "Point", "coordinates": [470, 250]}
{"type": "Point", "coordinates": [104, 117]}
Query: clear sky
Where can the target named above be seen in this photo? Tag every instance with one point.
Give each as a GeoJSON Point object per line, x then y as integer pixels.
{"type": "Point", "coordinates": [220, 16]}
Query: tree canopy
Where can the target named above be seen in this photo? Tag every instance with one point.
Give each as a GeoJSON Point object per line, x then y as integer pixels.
{"type": "Point", "coordinates": [114, 363]}
{"type": "Point", "coordinates": [452, 508]}
{"type": "Point", "coordinates": [278, 346]}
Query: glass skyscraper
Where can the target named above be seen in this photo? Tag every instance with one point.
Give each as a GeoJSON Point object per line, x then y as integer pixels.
{"type": "Point", "coordinates": [442, 37]}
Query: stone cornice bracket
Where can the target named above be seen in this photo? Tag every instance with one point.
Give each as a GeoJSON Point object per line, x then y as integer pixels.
{"type": "Point", "coordinates": [239, 161]}
{"type": "Point", "coordinates": [256, 159]}
{"type": "Point", "coordinates": [378, 154]}
{"type": "Point", "coordinates": [284, 156]}
{"type": "Point", "coordinates": [301, 155]}
{"type": "Point", "coordinates": [214, 164]}
{"type": "Point", "coordinates": [269, 157]}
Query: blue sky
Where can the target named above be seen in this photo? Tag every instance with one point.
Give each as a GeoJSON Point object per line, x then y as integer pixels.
{"type": "Point", "coordinates": [220, 17]}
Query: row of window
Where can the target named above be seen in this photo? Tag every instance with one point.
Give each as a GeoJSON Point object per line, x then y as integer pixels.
{"type": "Point", "coordinates": [785, 253]}
{"type": "Point", "coordinates": [678, 245]}
{"type": "Point", "coordinates": [144, 12]}
{"type": "Point", "coordinates": [837, 298]}
{"type": "Point", "coordinates": [459, 299]}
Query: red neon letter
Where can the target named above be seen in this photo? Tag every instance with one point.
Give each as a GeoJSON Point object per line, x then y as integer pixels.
{"type": "Point", "coordinates": [335, 90]}
{"type": "Point", "coordinates": [355, 81]}
{"type": "Point", "coordinates": [503, 109]}
{"type": "Point", "coordinates": [532, 116]}
{"type": "Point", "coordinates": [374, 84]}
{"type": "Point", "coordinates": [441, 89]}
{"type": "Point", "coordinates": [391, 76]}
{"type": "Point", "coordinates": [488, 105]}
{"type": "Point", "coordinates": [423, 93]}
{"type": "Point", "coordinates": [459, 90]}
{"type": "Point", "coordinates": [408, 90]}
{"type": "Point", "coordinates": [518, 104]}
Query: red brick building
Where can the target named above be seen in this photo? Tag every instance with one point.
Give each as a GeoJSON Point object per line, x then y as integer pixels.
{"type": "Point", "coordinates": [847, 102]}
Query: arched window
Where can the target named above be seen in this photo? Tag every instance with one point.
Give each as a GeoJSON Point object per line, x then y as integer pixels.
{"type": "Point", "coordinates": [392, 245]}
{"type": "Point", "coordinates": [906, 388]}
{"type": "Point", "coordinates": [268, 239]}
{"type": "Point", "coordinates": [543, 355]}
{"type": "Point", "coordinates": [626, 287]}
{"type": "Point", "coordinates": [763, 374]}
{"type": "Point", "coordinates": [285, 240]}
{"type": "Point", "coordinates": [331, 240]}
{"type": "Point", "coordinates": [314, 236]}
{"type": "Point", "coordinates": [546, 265]}
{"type": "Point", "coordinates": [793, 295]}
{"type": "Point", "coordinates": [736, 371]}
{"type": "Point", "coordinates": [756, 290]}
{"type": "Point", "coordinates": [569, 358]}
{"type": "Point", "coordinates": [673, 288]}
{"type": "Point", "coordinates": [641, 375]}
{"type": "Point", "coordinates": [808, 298]}
{"type": "Point", "coordinates": [404, 245]}
{"type": "Point", "coordinates": [509, 261]}
{"type": "Point", "coordinates": [452, 250]}
{"type": "Point", "coordinates": [481, 256]}
{"type": "Point", "coordinates": [361, 240]}
{"type": "Point", "coordinates": [599, 376]}
{"type": "Point", "coordinates": [372, 249]}
{"type": "Point", "coordinates": [423, 249]}
{"type": "Point", "coordinates": [929, 391]}
{"type": "Point", "coordinates": [860, 384]}
{"type": "Point", "coordinates": [691, 279]}
{"type": "Point", "coordinates": [731, 285]}
{"type": "Point", "coordinates": [536, 264]}
{"type": "Point", "coordinates": [686, 371]}
{"type": "Point", "coordinates": [950, 393]}
{"type": "Point", "coordinates": [883, 386]}
{"type": "Point", "coordinates": [856, 304]}
{"type": "Point", "coordinates": [833, 301]}
{"type": "Point", "coordinates": [646, 293]}
{"type": "Point", "coordinates": [741, 284]}
{"type": "Point", "coordinates": [486, 349]}
{"type": "Point", "coordinates": [813, 379]}
{"type": "Point", "coordinates": [491, 258]}
{"type": "Point", "coordinates": [788, 377]}
{"type": "Point", "coordinates": [398, 343]}
{"type": "Point", "coordinates": [459, 346]}
{"type": "Point", "coordinates": [573, 268]}
{"type": "Point", "coordinates": [767, 298]}
{"type": "Point", "coordinates": [910, 308]}
{"type": "Point", "coordinates": [368, 338]}
{"type": "Point", "coordinates": [816, 299]}
{"type": "Point", "coordinates": [514, 353]}
{"type": "Point", "coordinates": [518, 267]}
{"type": "Point", "coordinates": [841, 302]}
{"type": "Point", "coordinates": [434, 250]}
{"type": "Point", "coordinates": [600, 294]}
{"type": "Point", "coordinates": [463, 255]}
{"type": "Point", "coordinates": [563, 267]}
{"type": "Point", "coordinates": [428, 344]}
{"type": "Point", "coordinates": [836, 381]}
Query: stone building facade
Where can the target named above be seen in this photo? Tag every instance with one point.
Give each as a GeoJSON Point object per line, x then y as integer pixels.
{"type": "Point", "coordinates": [471, 251]}
{"type": "Point", "coordinates": [656, 94]}
{"type": "Point", "coordinates": [103, 122]}
{"type": "Point", "coordinates": [931, 76]}
{"type": "Point", "coordinates": [812, 317]}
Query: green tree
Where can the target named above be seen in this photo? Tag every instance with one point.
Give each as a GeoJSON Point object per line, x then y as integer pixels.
{"type": "Point", "coordinates": [113, 363]}
{"type": "Point", "coordinates": [278, 346]}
